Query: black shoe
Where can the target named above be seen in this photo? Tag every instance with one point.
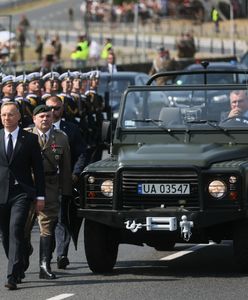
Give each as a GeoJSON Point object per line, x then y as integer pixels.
{"type": "Point", "coordinates": [11, 284]}
{"type": "Point", "coordinates": [20, 277]}
{"type": "Point", "coordinates": [46, 273]}
{"type": "Point", "coordinates": [62, 262]}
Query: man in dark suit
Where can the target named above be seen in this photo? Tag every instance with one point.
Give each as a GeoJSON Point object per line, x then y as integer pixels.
{"type": "Point", "coordinates": [111, 66]}
{"type": "Point", "coordinates": [21, 181]}
{"type": "Point", "coordinates": [77, 148]}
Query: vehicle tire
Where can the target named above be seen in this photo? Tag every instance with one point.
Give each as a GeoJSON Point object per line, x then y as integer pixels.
{"type": "Point", "coordinates": [165, 246]}
{"type": "Point", "coordinates": [101, 246]}
{"type": "Point", "coordinates": [240, 245]}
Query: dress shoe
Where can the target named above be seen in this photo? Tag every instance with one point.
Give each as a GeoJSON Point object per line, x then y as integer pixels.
{"type": "Point", "coordinates": [20, 277]}
{"type": "Point", "coordinates": [11, 283]}
{"type": "Point", "coordinates": [62, 262]}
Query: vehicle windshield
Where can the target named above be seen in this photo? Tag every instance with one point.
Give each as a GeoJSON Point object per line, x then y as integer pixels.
{"type": "Point", "coordinates": [114, 88]}
{"type": "Point", "coordinates": [214, 78]}
{"type": "Point", "coordinates": [185, 108]}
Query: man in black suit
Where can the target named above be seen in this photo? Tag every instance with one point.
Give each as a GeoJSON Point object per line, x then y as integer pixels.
{"type": "Point", "coordinates": [77, 148]}
{"type": "Point", "coordinates": [21, 181]}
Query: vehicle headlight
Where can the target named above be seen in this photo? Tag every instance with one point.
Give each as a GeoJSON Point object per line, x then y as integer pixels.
{"type": "Point", "coordinates": [107, 188]}
{"type": "Point", "coordinates": [217, 188]}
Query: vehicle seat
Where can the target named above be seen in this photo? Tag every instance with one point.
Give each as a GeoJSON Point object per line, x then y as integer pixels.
{"type": "Point", "coordinates": [170, 115]}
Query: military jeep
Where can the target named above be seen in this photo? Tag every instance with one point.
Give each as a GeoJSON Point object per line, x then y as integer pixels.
{"type": "Point", "coordinates": [178, 172]}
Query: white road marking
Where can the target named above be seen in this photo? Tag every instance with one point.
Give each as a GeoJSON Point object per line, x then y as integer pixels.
{"type": "Point", "coordinates": [185, 252]}
{"type": "Point", "coordinates": [60, 297]}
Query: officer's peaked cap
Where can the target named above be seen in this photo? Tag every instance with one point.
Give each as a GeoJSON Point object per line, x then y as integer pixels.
{"type": "Point", "coordinates": [40, 109]}
{"type": "Point", "coordinates": [33, 76]}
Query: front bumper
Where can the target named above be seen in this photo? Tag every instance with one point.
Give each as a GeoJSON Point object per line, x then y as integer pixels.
{"type": "Point", "coordinates": [201, 219]}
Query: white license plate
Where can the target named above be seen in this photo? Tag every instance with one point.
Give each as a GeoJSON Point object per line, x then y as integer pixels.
{"type": "Point", "coordinates": [163, 188]}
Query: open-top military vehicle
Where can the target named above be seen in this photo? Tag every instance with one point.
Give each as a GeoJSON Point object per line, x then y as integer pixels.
{"type": "Point", "coordinates": [178, 172]}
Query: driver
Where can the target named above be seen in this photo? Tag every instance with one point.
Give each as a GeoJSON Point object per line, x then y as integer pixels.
{"type": "Point", "coordinates": [239, 104]}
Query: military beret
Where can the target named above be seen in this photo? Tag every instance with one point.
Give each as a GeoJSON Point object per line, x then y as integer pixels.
{"type": "Point", "coordinates": [51, 75]}
{"type": "Point", "coordinates": [33, 76]}
{"type": "Point", "coordinates": [20, 79]}
{"type": "Point", "coordinates": [40, 109]}
{"type": "Point", "coordinates": [8, 79]}
{"type": "Point", "coordinates": [161, 48]}
{"type": "Point", "coordinates": [65, 76]}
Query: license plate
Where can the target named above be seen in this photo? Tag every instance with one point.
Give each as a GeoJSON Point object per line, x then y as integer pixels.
{"type": "Point", "coordinates": [163, 188]}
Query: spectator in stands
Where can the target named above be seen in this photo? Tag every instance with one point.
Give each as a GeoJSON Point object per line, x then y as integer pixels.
{"type": "Point", "coordinates": [186, 46]}
{"type": "Point", "coordinates": [39, 47]}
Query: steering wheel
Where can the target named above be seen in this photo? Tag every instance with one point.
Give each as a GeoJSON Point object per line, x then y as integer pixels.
{"type": "Point", "coordinates": [236, 120]}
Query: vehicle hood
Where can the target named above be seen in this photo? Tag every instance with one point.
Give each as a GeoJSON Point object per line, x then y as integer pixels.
{"type": "Point", "coordinates": [183, 154]}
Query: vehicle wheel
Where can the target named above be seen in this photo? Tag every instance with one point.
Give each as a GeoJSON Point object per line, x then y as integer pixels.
{"type": "Point", "coordinates": [240, 245]}
{"type": "Point", "coordinates": [101, 246]}
{"type": "Point", "coordinates": [165, 246]}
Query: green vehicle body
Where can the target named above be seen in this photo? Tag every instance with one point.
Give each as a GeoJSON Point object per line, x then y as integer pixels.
{"type": "Point", "coordinates": [173, 181]}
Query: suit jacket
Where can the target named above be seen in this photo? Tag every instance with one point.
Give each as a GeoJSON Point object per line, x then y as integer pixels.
{"type": "Point", "coordinates": [77, 146]}
{"type": "Point", "coordinates": [25, 161]}
{"type": "Point", "coordinates": [106, 69]}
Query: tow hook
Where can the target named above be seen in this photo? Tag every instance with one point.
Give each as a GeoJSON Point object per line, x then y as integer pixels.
{"type": "Point", "coordinates": [186, 228]}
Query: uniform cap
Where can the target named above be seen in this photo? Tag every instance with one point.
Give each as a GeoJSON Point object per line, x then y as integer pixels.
{"type": "Point", "coordinates": [33, 76]}
{"type": "Point", "coordinates": [161, 48]}
{"type": "Point", "coordinates": [40, 109]}
{"type": "Point", "coordinates": [50, 76]}
{"type": "Point", "coordinates": [66, 75]}
{"type": "Point", "coordinates": [20, 79]}
{"type": "Point", "coordinates": [8, 79]}
{"type": "Point", "coordinates": [76, 75]}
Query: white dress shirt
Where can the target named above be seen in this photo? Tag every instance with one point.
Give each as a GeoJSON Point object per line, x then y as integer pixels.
{"type": "Point", "coordinates": [14, 137]}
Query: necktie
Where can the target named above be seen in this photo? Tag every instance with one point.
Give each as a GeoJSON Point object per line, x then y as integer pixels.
{"type": "Point", "coordinates": [10, 147]}
{"type": "Point", "coordinates": [43, 137]}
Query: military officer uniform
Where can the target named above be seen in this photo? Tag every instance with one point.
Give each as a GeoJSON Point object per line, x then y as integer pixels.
{"type": "Point", "coordinates": [56, 155]}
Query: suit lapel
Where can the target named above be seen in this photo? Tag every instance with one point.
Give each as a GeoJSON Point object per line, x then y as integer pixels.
{"type": "Point", "coordinates": [19, 142]}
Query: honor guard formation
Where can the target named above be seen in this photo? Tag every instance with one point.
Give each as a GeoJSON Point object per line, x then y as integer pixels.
{"type": "Point", "coordinates": [82, 105]}
{"type": "Point", "coordinates": [62, 115]}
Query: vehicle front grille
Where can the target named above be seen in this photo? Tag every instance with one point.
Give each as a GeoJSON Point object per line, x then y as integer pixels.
{"type": "Point", "coordinates": [131, 198]}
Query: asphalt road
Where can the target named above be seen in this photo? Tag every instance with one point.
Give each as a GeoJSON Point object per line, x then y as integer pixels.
{"type": "Point", "coordinates": [205, 273]}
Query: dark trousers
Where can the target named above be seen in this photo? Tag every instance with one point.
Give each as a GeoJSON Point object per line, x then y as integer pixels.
{"type": "Point", "coordinates": [13, 215]}
{"type": "Point", "coordinates": [62, 234]}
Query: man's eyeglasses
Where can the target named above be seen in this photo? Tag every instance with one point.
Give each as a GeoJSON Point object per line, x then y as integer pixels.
{"type": "Point", "coordinates": [55, 107]}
